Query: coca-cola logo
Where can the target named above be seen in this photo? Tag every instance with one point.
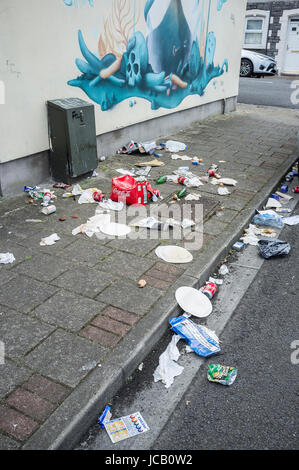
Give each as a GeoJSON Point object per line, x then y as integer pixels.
{"type": "Point", "coordinates": [122, 193]}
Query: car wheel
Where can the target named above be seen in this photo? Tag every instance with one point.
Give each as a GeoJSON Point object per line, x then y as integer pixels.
{"type": "Point", "coordinates": [246, 68]}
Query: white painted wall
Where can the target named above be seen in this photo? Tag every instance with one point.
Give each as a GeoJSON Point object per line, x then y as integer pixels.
{"type": "Point", "coordinates": [38, 48]}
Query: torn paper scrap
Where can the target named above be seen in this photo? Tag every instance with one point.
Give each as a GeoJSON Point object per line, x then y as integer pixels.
{"type": "Point", "coordinates": [6, 258]}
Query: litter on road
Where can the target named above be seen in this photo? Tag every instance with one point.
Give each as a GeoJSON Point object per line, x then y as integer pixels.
{"type": "Point", "coordinates": [51, 240]}
{"type": "Point", "coordinates": [225, 375]}
{"type": "Point", "coordinates": [125, 427]}
{"type": "Point", "coordinates": [193, 301]}
{"type": "Point", "coordinates": [7, 258]}
{"type": "Point", "coordinates": [273, 247]}
{"type": "Point", "coordinates": [168, 367]}
{"type": "Point", "coordinates": [201, 340]}
{"type": "Point", "coordinates": [294, 220]}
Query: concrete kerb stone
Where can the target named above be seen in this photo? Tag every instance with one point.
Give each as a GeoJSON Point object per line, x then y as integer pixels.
{"type": "Point", "coordinates": [72, 419]}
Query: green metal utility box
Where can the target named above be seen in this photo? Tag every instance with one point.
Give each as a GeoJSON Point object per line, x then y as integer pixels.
{"type": "Point", "coordinates": [72, 133]}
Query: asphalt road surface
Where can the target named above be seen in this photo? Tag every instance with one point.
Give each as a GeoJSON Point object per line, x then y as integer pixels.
{"type": "Point", "coordinates": [258, 410]}
{"type": "Point", "coordinates": [270, 91]}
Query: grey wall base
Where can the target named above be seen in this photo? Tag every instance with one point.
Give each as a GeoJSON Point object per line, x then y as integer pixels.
{"type": "Point", "coordinates": [34, 169]}
{"type": "Point", "coordinates": [110, 142]}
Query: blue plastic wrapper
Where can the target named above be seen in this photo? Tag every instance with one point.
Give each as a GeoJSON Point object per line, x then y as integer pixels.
{"type": "Point", "coordinates": [105, 416]}
{"type": "Point", "coordinates": [198, 337]}
{"type": "Point", "coordinates": [269, 220]}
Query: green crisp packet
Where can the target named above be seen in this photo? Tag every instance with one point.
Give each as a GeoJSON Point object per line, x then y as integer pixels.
{"type": "Point", "coordinates": [224, 375]}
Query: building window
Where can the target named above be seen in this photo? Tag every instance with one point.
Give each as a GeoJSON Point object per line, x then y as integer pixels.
{"type": "Point", "coordinates": [256, 29]}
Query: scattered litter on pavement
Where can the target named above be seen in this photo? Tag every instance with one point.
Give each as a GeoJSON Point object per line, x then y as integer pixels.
{"type": "Point", "coordinates": [193, 197]}
{"type": "Point", "coordinates": [180, 157]}
{"type": "Point", "coordinates": [209, 289]}
{"type": "Point", "coordinates": [285, 196]}
{"type": "Point", "coordinates": [268, 218]}
{"type": "Point", "coordinates": [272, 203]}
{"type": "Point", "coordinates": [223, 191]}
{"type": "Point", "coordinates": [225, 375]}
{"type": "Point", "coordinates": [7, 258]}
{"type": "Point", "coordinates": [251, 234]}
{"type": "Point", "coordinates": [296, 189]}
{"type": "Point", "coordinates": [168, 367]}
{"type": "Point", "coordinates": [200, 339]}
{"type": "Point", "coordinates": [175, 146]}
{"type": "Point", "coordinates": [174, 254]}
{"type": "Point", "coordinates": [127, 189]}
{"type": "Point", "coordinates": [94, 174]}
{"type": "Point", "coordinates": [142, 283]}
{"type": "Point", "coordinates": [283, 210]}
{"type": "Point", "coordinates": [48, 210]}
{"type": "Point", "coordinates": [62, 186]}
{"type": "Point", "coordinates": [284, 188]}
{"type": "Point", "coordinates": [186, 223]}
{"type": "Point", "coordinates": [219, 282]}
{"type": "Point", "coordinates": [193, 301]}
{"type": "Point", "coordinates": [125, 172]}
{"type": "Point", "coordinates": [143, 171]}
{"type": "Point", "coordinates": [33, 221]}
{"type": "Point", "coordinates": [115, 229]}
{"type": "Point", "coordinates": [273, 247]}
{"type": "Point", "coordinates": [227, 181]}
{"type": "Point", "coordinates": [223, 270]}
{"type": "Point", "coordinates": [150, 223]}
{"type": "Point", "coordinates": [87, 196]}
{"type": "Point", "coordinates": [154, 162]}
{"type": "Point", "coordinates": [108, 204]}
{"type": "Point", "coordinates": [51, 240]}
{"type": "Point", "coordinates": [47, 198]}
{"type": "Point", "coordinates": [238, 246]}
{"type": "Point", "coordinates": [294, 220]}
{"type": "Point", "coordinates": [140, 367]}
{"type": "Point", "coordinates": [92, 225]}
{"type": "Point", "coordinates": [105, 416]}
{"type": "Point", "coordinates": [125, 427]}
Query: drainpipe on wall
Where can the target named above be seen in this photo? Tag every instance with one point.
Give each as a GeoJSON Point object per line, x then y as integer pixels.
{"type": "Point", "coordinates": [271, 5]}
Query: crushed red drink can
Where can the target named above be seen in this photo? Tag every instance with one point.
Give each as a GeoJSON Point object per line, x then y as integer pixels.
{"type": "Point", "coordinates": [210, 289]}
{"type": "Point", "coordinates": [212, 172]}
{"type": "Point", "coordinates": [98, 196]}
{"type": "Point", "coordinates": [181, 179]}
{"type": "Point", "coordinates": [296, 189]}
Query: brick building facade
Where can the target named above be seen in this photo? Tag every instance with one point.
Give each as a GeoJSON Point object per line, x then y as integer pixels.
{"type": "Point", "coordinates": [272, 28]}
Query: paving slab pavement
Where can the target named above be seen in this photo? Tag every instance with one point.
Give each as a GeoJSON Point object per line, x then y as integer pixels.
{"type": "Point", "coordinates": [73, 320]}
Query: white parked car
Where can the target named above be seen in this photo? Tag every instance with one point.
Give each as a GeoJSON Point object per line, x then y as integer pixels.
{"type": "Point", "coordinates": [256, 64]}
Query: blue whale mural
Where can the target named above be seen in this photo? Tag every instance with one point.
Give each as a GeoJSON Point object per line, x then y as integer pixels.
{"type": "Point", "coordinates": [163, 68]}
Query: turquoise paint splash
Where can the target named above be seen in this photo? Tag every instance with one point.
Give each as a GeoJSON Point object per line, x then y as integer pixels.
{"type": "Point", "coordinates": [220, 4]}
{"type": "Point", "coordinates": [78, 3]}
{"type": "Point", "coordinates": [167, 87]}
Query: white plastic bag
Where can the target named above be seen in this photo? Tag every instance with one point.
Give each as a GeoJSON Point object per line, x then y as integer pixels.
{"type": "Point", "coordinates": [168, 368]}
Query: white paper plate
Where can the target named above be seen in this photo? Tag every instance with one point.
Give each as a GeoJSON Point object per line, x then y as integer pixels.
{"type": "Point", "coordinates": [117, 230]}
{"type": "Point", "coordinates": [193, 301]}
{"type": "Point", "coordinates": [174, 254]}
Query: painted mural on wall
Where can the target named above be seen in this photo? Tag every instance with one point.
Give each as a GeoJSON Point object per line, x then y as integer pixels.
{"type": "Point", "coordinates": [78, 3]}
{"type": "Point", "coordinates": [174, 60]}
